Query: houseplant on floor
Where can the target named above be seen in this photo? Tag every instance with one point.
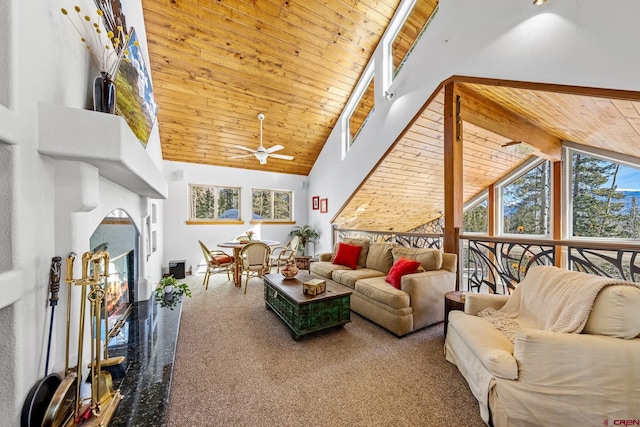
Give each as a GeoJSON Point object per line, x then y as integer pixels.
{"type": "Point", "coordinates": [169, 292]}
{"type": "Point", "coordinates": [306, 234]}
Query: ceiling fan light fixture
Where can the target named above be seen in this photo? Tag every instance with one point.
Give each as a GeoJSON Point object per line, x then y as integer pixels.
{"type": "Point", "coordinates": [262, 156]}
{"type": "Point", "coordinates": [262, 153]}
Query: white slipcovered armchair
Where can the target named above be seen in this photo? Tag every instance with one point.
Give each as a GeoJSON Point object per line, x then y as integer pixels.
{"type": "Point", "coordinates": [542, 372]}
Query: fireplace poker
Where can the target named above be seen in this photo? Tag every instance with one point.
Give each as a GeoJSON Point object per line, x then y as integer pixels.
{"type": "Point", "coordinates": [116, 365]}
{"type": "Point", "coordinates": [69, 281]}
{"type": "Point", "coordinates": [54, 287]}
{"type": "Point", "coordinates": [103, 397]}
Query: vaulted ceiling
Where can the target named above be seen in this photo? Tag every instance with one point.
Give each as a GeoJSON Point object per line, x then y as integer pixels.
{"type": "Point", "coordinates": [405, 190]}
{"type": "Point", "coordinates": [216, 64]}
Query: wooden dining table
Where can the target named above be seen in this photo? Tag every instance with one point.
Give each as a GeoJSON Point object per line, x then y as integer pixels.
{"type": "Point", "coordinates": [236, 246]}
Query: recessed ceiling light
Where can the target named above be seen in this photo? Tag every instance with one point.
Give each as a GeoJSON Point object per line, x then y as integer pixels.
{"type": "Point", "coordinates": [539, 2]}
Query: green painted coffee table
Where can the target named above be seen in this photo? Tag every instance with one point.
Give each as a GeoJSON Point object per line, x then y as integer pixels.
{"type": "Point", "coordinates": [305, 314]}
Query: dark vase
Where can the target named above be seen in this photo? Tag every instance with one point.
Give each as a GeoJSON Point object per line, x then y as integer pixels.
{"type": "Point", "coordinates": [104, 94]}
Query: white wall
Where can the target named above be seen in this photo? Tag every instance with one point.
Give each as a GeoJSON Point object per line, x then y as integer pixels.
{"type": "Point", "coordinates": [181, 240]}
{"type": "Point", "coordinates": [574, 42]}
{"type": "Point", "coordinates": [51, 207]}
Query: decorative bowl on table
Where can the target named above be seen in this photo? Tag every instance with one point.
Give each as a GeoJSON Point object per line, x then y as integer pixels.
{"type": "Point", "coordinates": [289, 271]}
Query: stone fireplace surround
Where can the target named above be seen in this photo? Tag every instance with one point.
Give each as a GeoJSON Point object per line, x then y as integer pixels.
{"type": "Point", "coordinates": [99, 166]}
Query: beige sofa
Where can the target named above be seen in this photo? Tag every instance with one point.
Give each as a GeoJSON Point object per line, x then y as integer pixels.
{"type": "Point", "coordinates": [419, 301]}
{"type": "Point", "coordinates": [544, 377]}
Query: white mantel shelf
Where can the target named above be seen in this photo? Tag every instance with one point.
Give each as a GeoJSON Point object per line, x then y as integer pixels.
{"type": "Point", "coordinates": [102, 140]}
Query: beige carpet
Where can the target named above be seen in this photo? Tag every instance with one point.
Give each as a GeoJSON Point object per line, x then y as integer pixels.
{"type": "Point", "coordinates": [237, 365]}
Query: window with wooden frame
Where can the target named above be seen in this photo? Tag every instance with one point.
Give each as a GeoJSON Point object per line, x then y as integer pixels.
{"type": "Point", "coordinates": [412, 29]}
{"type": "Point", "coordinates": [362, 111]}
{"type": "Point", "coordinates": [212, 203]}
{"type": "Point", "coordinates": [271, 205]}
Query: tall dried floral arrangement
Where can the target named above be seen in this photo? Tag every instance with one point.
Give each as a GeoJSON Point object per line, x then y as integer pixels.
{"type": "Point", "coordinates": [108, 48]}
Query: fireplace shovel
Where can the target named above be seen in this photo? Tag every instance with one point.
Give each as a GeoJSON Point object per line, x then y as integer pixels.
{"type": "Point", "coordinates": [35, 406]}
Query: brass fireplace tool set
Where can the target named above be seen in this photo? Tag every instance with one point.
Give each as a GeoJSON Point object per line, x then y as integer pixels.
{"type": "Point", "coordinates": [67, 407]}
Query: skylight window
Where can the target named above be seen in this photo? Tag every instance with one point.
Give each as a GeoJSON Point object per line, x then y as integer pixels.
{"type": "Point", "coordinates": [359, 108]}
{"type": "Point", "coordinates": [410, 33]}
{"type": "Point", "coordinates": [362, 112]}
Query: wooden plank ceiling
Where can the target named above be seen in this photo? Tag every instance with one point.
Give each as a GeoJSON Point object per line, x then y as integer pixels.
{"type": "Point", "coordinates": [216, 64]}
{"type": "Point", "coordinates": [406, 191]}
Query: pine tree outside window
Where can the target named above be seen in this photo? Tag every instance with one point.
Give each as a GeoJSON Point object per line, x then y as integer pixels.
{"type": "Point", "coordinates": [605, 196]}
{"type": "Point", "coordinates": [526, 202]}
{"type": "Point", "coordinates": [476, 217]}
{"type": "Point", "coordinates": [271, 205]}
{"type": "Point", "coordinates": [213, 203]}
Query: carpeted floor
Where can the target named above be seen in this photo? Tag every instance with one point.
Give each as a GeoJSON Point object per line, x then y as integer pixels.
{"type": "Point", "coordinates": [237, 365]}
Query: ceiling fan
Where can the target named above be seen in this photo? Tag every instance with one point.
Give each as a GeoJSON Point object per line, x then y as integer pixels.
{"type": "Point", "coordinates": [262, 153]}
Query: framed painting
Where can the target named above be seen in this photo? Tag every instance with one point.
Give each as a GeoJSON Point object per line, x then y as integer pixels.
{"type": "Point", "coordinates": [315, 203]}
{"type": "Point", "coordinates": [134, 93]}
{"type": "Point", "coordinates": [323, 205]}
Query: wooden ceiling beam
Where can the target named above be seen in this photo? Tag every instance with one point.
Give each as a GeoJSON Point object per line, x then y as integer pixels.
{"type": "Point", "coordinates": [485, 113]}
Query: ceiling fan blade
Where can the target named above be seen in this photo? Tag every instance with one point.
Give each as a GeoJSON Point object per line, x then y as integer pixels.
{"type": "Point", "coordinates": [242, 155]}
{"type": "Point", "coordinates": [281, 156]}
{"type": "Point", "coordinates": [275, 148]}
{"type": "Point", "coordinates": [244, 148]}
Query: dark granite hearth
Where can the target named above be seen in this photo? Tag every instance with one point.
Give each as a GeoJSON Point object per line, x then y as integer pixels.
{"type": "Point", "coordinates": [148, 341]}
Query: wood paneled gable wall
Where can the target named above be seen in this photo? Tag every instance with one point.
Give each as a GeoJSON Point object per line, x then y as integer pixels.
{"type": "Point", "coordinates": [412, 183]}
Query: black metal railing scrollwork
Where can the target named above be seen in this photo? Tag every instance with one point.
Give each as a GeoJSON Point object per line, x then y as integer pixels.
{"type": "Point", "coordinates": [618, 264]}
{"type": "Point", "coordinates": [498, 264]}
{"type": "Point", "coordinates": [497, 267]}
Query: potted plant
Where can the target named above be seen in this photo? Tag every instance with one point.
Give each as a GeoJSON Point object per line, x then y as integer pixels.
{"type": "Point", "coordinates": [306, 234]}
{"type": "Point", "coordinates": [169, 292]}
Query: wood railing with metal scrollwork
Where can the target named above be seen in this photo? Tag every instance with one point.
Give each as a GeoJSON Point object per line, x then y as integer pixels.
{"type": "Point", "coordinates": [498, 264]}
{"type": "Point", "coordinates": [618, 261]}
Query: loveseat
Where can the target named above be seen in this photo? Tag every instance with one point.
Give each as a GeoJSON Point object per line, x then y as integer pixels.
{"type": "Point", "coordinates": [563, 349]}
{"type": "Point", "coordinates": [418, 302]}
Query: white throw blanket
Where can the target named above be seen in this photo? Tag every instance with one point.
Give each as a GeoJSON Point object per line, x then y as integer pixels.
{"type": "Point", "coordinates": [550, 299]}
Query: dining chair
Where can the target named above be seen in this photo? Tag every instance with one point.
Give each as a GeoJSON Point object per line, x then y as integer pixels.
{"type": "Point", "coordinates": [282, 255]}
{"type": "Point", "coordinates": [254, 260]}
{"type": "Point", "coordinates": [216, 261]}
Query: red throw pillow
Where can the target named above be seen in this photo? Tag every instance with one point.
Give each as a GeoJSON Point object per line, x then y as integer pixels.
{"type": "Point", "coordinates": [347, 255]}
{"type": "Point", "coordinates": [400, 268]}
